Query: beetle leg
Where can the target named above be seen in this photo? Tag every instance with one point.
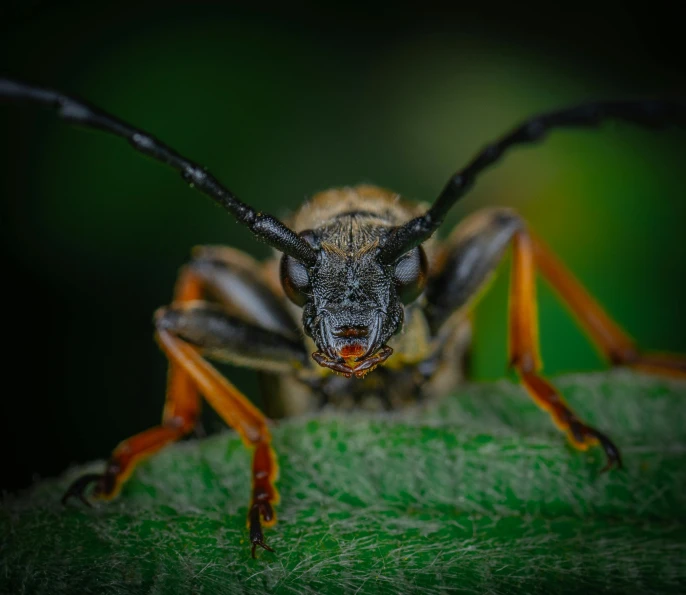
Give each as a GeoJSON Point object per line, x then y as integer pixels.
{"type": "Point", "coordinates": [240, 284]}
{"type": "Point", "coordinates": [525, 357]}
{"type": "Point", "coordinates": [188, 328]}
{"type": "Point", "coordinates": [239, 413]}
{"type": "Point", "coordinates": [213, 272]}
{"type": "Point", "coordinates": [461, 272]}
{"type": "Point", "coordinates": [228, 338]}
{"type": "Point", "coordinates": [616, 346]}
{"type": "Point", "coordinates": [461, 276]}
{"type": "Point", "coordinates": [181, 410]}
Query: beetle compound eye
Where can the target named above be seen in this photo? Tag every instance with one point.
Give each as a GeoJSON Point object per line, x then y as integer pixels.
{"type": "Point", "coordinates": [295, 280]}
{"type": "Point", "coordinates": [410, 274]}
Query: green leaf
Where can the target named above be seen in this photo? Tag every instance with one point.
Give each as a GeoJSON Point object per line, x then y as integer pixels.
{"type": "Point", "coordinates": [478, 493]}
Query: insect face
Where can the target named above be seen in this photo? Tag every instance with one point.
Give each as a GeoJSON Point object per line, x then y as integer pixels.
{"type": "Point", "coordinates": [352, 302]}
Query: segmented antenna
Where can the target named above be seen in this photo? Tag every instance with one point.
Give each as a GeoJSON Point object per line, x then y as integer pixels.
{"type": "Point", "coordinates": [264, 227]}
{"type": "Point", "coordinates": [652, 114]}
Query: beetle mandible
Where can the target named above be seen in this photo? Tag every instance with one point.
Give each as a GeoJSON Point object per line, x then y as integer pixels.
{"type": "Point", "coordinates": [358, 266]}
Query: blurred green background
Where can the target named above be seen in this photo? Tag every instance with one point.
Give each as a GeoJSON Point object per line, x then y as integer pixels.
{"type": "Point", "coordinates": [280, 105]}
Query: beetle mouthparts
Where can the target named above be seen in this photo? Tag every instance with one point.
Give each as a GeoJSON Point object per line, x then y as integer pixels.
{"type": "Point", "coordinates": [359, 369]}
{"type": "Point", "coordinates": [351, 332]}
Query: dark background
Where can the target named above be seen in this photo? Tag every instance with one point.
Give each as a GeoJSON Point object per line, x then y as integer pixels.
{"type": "Point", "coordinates": [281, 104]}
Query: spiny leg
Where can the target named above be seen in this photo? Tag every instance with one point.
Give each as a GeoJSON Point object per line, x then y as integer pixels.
{"type": "Point", "coordinates": [525, 358]}
{"type": "Point", "coordinates": [617, 347]}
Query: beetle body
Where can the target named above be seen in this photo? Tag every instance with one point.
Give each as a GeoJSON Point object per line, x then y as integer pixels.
{"type": "Point", "coordinates": [364, 308]}
{"type": "Point", "coordinates": [349, 222]}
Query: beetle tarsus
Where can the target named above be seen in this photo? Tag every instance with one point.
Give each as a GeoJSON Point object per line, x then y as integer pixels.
{"type": "Point", "coordinates": [583, 434]}
{"type": "Point", "coordinates": [78, 488]}
{"type": "Point", "coordinates": [256, 535]}
{"type": "Point", "coordinates": [614, 458]}
{"type": "Point", "coordinates": [263, 545]}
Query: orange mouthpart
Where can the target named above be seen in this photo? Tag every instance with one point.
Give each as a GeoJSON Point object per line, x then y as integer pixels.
{"type": "Point", "coordinates": [350, 367]}
{"type": "Point", "coordinates": [349, 352]}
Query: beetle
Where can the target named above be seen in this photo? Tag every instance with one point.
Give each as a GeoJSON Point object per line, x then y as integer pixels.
{"type": "Point", "coordinates": [360, 306]}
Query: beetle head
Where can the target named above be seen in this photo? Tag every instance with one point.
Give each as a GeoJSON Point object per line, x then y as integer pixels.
{"type": "Point", "coordinates": [352, 302]}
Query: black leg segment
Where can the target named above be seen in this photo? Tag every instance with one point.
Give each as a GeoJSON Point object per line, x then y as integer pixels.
{"type": "Point", "coordinates": [234, 279]}
{"type": "Point", "coordinates": [229, 338]}
{"type": "Point", "coordinates": [475, 249]}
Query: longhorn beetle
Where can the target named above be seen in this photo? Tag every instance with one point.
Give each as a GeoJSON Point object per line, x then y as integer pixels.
{"type": "Point", "coordinates": [358, 266]}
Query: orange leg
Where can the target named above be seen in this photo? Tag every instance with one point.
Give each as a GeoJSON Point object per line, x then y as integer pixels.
{"type": "Point", "coordinates": [239, 413]}
{"type": "Point", "coordinates": [614, 343]}
{"type": "Point", "coordinates": [525, 357]}
{"type": "Point", "coordinates": [181, 409]}
{"type": "Point", "coordinates": [190, 375]}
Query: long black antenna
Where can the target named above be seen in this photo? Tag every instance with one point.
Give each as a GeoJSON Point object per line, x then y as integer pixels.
{"type": "Point", "coordinates": [265, 227]}
{"type": "Point", "coordinates": [653, 114]}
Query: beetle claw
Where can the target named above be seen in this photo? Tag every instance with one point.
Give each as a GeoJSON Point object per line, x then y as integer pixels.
{"type": "Point", "coordinates": [263, 545]}
{"type": "Point", "coordinates": [614, 458]}
{"type": "Point", "coordinates": [78, 488]}
{"type": "Point", "coordinates": [256, 535]}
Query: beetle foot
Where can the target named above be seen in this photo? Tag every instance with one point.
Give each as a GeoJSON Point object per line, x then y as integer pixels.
{"type": "Point", "coordinates": [105, 484]}
{"type": "Point", "coordinates": [78, 488]}
{"type": "Point", "coordinates": [614, 459]}
{"type": "Point", "coordinates": [585, 435]}
{"type": "Point", "coordinates": [256, 535]}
